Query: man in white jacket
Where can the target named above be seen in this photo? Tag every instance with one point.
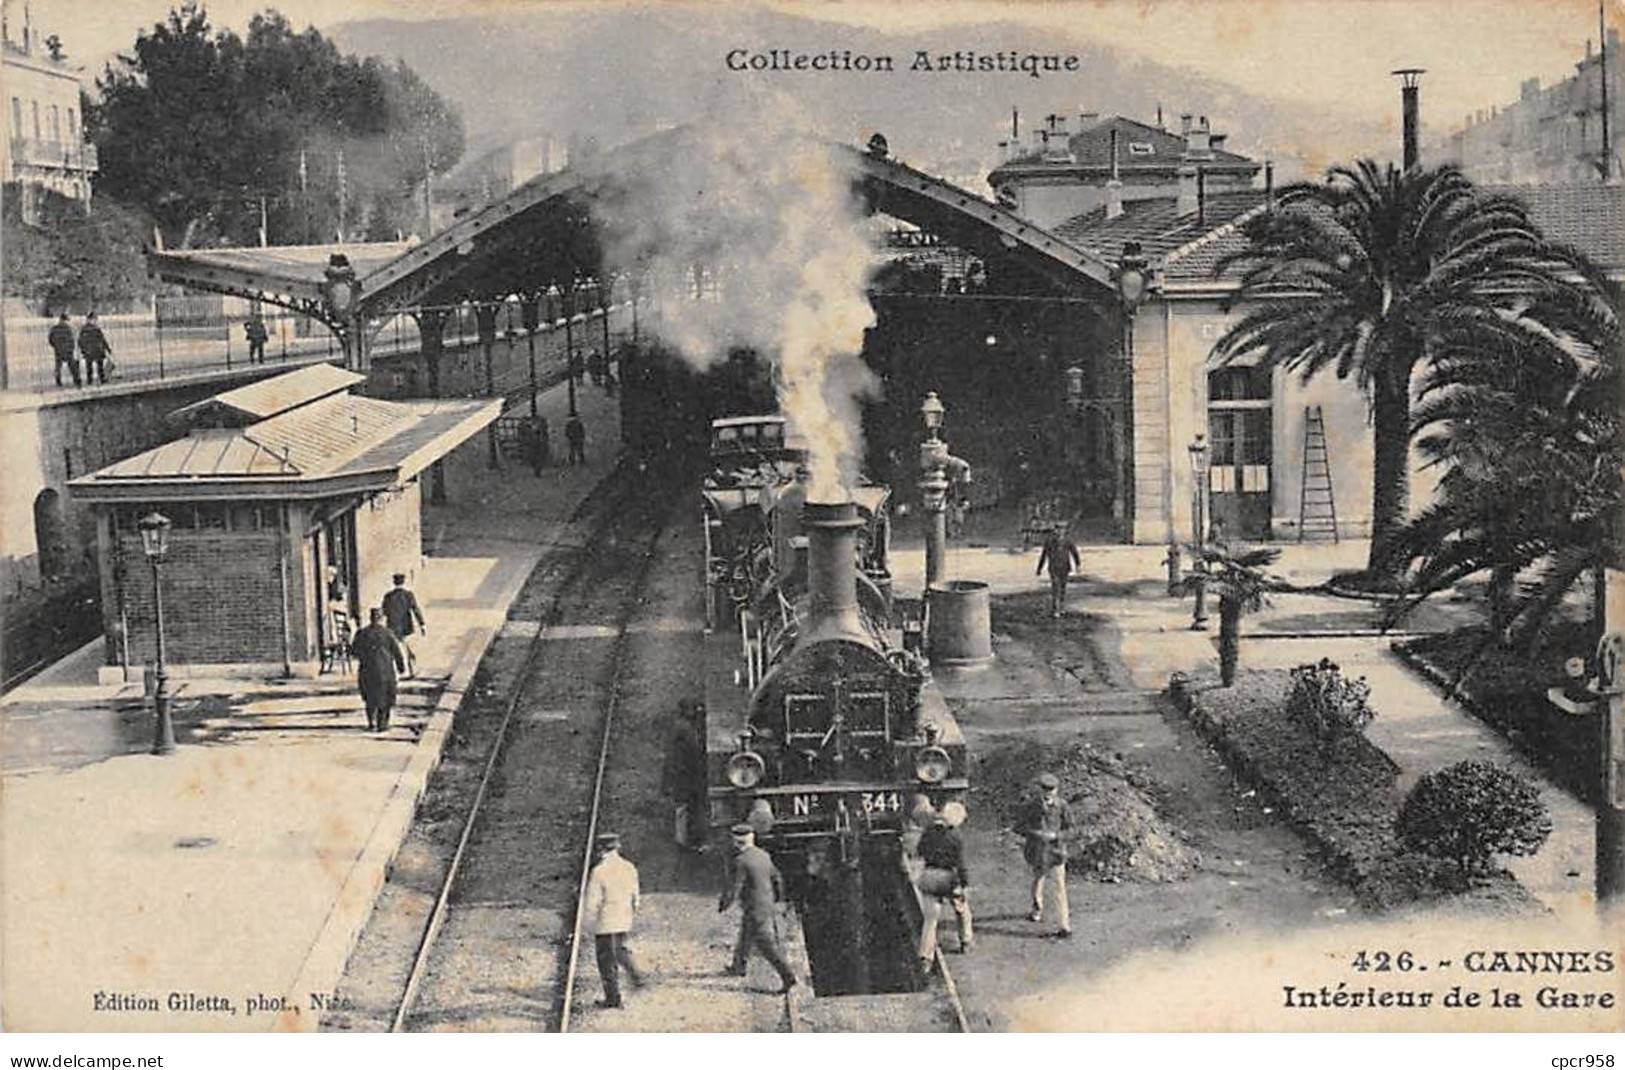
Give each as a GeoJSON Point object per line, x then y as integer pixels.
{"type": "Point", "coordinates": [610, 905]}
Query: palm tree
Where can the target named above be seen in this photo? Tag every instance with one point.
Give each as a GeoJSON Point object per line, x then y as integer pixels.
{"type": "Point", "coordinates": [1530, 439]}
{"type": "Point", "coordinates": [1239, 580]}
{"type": "Point", "coordinates": [1372, 274]}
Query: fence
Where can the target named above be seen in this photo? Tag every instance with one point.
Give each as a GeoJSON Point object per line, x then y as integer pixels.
{"type": "Point", "coordinates": [201, 333]}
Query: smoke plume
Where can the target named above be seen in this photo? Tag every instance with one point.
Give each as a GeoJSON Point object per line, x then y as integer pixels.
{"type": "Point", "coordinates": [765, 226]}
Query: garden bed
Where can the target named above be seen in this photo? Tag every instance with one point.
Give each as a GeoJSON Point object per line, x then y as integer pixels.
{"type": "Point", "coordinates": [1340, 795]}
{"type": "Point", "coordinates": [1507, 691]}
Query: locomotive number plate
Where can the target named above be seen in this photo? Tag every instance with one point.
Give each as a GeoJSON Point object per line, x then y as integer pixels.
{"type": "Point", "coordinates": [873, 802]}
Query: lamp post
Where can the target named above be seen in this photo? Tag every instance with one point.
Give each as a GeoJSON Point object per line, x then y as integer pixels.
{"type": "Point", "coordinates": [1133, 277]}
{"type": "Point", "coordinates": [530, 311]}
{"type": "Point", "coordinates": [1200, 456]}
{"type": "Point", "coordinates": [568, 300]}
{"type": "Point", "coordinates": [155, 544]}
{"type": "Point", "coordinates": [934, 488]}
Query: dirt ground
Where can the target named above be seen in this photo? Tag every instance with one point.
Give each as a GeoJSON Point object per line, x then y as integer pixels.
{"type": "Point", "coordinates": [1253, 874]}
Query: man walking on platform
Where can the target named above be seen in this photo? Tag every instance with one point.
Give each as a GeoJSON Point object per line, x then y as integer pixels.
{"type": "Point", "coordinates": [405, 618]}
{"type": "Point", "coordinates": [257, 337]}
{"type": "Point", "coordinates": [1042, 823]}
{"type": "Point", "coordinates": [575, 433]}
{"type": "Point", "coordinates": [1061, 556]}
{"type": "Point", "coordinates": [757, 887]}
{"type": "Point", "coordinates": [93, 345]}
{"type": "Point", "coordinates": [61, 340]}
{"type": "Point", "coordinates": [610, 905]}
{"type": "Point", "coordinates": [378, 657]}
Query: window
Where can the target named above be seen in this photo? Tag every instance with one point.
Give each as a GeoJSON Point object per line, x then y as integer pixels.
{"type": "Point", "coordinates": [73, 127]}
{"type": "Point", "coordinates": [16, 117]}
{"type": "Point", "coordinates": [56, 124]}
{"type": "Point", "coordinates": [35, 104]}
{"type": "Point", "coordinates": [1141, 148]}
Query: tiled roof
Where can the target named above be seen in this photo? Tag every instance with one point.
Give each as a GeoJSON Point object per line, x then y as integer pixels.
{"type": "Point", "coordinates": [1189, 248]}
{"type": "Point", "coordinates": [278, 394]}
{"type": "Point", "coordinates": [1590, 217]}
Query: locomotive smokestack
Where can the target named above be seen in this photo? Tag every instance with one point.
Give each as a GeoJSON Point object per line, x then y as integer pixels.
{"type": "Point", "coordinates": [832, 582]}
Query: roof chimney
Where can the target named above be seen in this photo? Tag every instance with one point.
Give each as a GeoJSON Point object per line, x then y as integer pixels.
{"type": "Point", "coordinates": [1408, 94]}
{"type": "Point", "coordinates": [1114, 185]}
{"type": "Point", "coordinates": [1201, 196]}
{"type": "Point", "coordinates": [1188, 201]}
{"type": "Point", "coordinates": [1197, 141]}
{"type": "Point", "coordinates": [1269, 182]}
{"type": "Point", "coordinates": [1185, 124]}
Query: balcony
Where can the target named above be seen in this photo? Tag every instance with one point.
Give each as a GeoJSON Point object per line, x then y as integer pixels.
{"type": "Point", "coordinates": [34, 152]}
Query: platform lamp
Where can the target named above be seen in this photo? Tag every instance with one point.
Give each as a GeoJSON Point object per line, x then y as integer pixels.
{"type": "Point", "coordinates": [934, 488]}
{"type": "Point", "coordinates": [1201, 457]}
{"type": "Point", "coordinates": [341, 289]}
{"type": "Point", "coordinates": [155, 544]}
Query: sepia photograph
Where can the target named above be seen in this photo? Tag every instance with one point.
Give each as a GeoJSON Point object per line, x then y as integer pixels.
{"type": "Point", "coordinates": [530, 517]}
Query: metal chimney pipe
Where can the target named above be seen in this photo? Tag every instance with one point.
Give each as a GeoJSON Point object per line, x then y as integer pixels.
{"type": "Point", "coordinates": [832, 582]}
{"type": "Point", "coordinates": [1408, 96]}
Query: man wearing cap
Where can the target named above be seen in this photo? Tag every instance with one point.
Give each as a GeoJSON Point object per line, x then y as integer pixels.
{"type": "Point", "coordinates": [944, 881]}
{"type": "Point", "coordinates": [1042, 823]}
{"type": "Point", "coordinates": [610, 904]}
{"type": "Point", "coordinates": [405, 618]}
{"type": "Point", "coordinates": [757, 887]}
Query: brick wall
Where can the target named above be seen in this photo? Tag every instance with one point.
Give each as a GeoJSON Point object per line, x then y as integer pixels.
{"type": "Point", "coordinates": [222, 601]}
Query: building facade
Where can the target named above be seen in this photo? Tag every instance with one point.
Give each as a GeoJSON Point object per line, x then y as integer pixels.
{"type": "Point", "coordinates": [1062, 173]}
{"type": "Point", "coordinates": [45, 148]}
{"type": "Point", "coordinates": [1552, 134]}
{"type": "Point", "coordinates": [292, 502]}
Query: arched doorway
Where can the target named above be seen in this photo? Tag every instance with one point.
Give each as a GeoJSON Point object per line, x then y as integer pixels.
{"type": "Point", "coordinates": [50, 534]}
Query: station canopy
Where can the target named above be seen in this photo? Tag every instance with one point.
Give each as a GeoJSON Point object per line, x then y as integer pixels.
{"type": "Point", "coordinates": [542, 233]}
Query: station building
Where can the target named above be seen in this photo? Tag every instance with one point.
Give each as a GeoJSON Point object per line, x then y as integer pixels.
{"type": "Point", "coordinates": [46, 149]}
{"type": "Point", "coordinates": [276, 489]}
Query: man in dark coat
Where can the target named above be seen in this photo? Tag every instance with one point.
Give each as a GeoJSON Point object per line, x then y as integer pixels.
{"type": "Point", "coordinates": [575, 433]}
{"type": "Point", "coordinates": [93, 346]}
{"type": "Point", "coordinates": [684, 775]}
{"type": "Point", "coordinates": [757, 887]}
{"type": "Point", "coordinates": [1062, 557]}
{"type": "Point", "coordinates": [257, 337]}
{"type": "Point", "coordinates": [378, 658]}
{"type": "Point", "coordinates": [405, 619]}
{"type": "Point", "coordinates": [1043, 823]}
{"type": "Point", "coordinates": [61, 339]}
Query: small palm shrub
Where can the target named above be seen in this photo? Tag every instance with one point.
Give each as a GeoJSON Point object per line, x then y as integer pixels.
{"type": "Point", "coordinates": [1328, 703]}
{"type": "Point", "coordinates": [1472, 811]}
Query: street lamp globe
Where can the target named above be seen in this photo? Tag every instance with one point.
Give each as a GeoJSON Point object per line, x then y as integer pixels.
{"type": "Point", "coordinates": [154, 529]}
{"type": "Point", "coordinates": [1200, 453]}
{"type": "Point", "coordinates": [931, 411]}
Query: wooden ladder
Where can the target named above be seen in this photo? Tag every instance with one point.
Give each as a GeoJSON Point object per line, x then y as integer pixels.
{"type": "Point", "coordinates": [1317, 511]}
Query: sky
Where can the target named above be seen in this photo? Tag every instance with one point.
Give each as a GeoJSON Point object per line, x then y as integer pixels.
{"type": "Point", "coordinates": [1330, 52]}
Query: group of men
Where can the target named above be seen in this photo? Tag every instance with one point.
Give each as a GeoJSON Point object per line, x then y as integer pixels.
{"type": "Point", "coordinates": [933, 857]}
{"type": "Point", "coordinates": [88, 342]}
{"type": "Point", "coordinates": [612, 899]}
{"type": "Point", "coordinates": [384, 648]}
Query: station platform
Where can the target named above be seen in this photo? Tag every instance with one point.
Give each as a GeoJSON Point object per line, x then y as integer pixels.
{"type": "Point", "coordinates": [222, 887]}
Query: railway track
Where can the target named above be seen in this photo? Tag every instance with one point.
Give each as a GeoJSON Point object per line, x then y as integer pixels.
{"type": "Point", "coordinates": [584, 576]}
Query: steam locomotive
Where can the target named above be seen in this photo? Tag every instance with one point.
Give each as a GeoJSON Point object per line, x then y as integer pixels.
{"type": "Point", "coordinates": [822, 725]}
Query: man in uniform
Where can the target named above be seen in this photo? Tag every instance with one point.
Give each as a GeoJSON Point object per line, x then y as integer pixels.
{"type": "Point", "coordinates": [757, 887]}
{"type": "Point", "coordinates": [61, 340]}
{"type": "Point", "coordinates": [1042, 823]}
{"type": "Point", "coordinates": [1062, 557]}
{"type": "Point", "coordinates": [575, 433]}
{"type": "Point", "coordinates": [685, 775]}
{"type": "Point", "coordinates": [405, 618]}
{"type": "Point", "coordinates": [944, 882]}
{"type": "Point", "coordinates": [378, 657]}
{"type": "Point", "coordinates": [610, 905]}
{"type": "Point", "coordinates": [257, 337]}
{"type": "Point", "coordinates": [93, 345]}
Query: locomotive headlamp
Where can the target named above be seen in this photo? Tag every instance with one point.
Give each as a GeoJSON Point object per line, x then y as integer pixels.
{"type": "Point", "coordinates": [746, 769]}
{"type": "Point", "coordinates": [932, 764]}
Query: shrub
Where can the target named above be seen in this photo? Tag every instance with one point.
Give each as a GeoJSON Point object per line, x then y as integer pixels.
{"type": "Point", "coordinates": [1328, 703]}
{"type": "Point", "coordinates": [1472, 811]}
